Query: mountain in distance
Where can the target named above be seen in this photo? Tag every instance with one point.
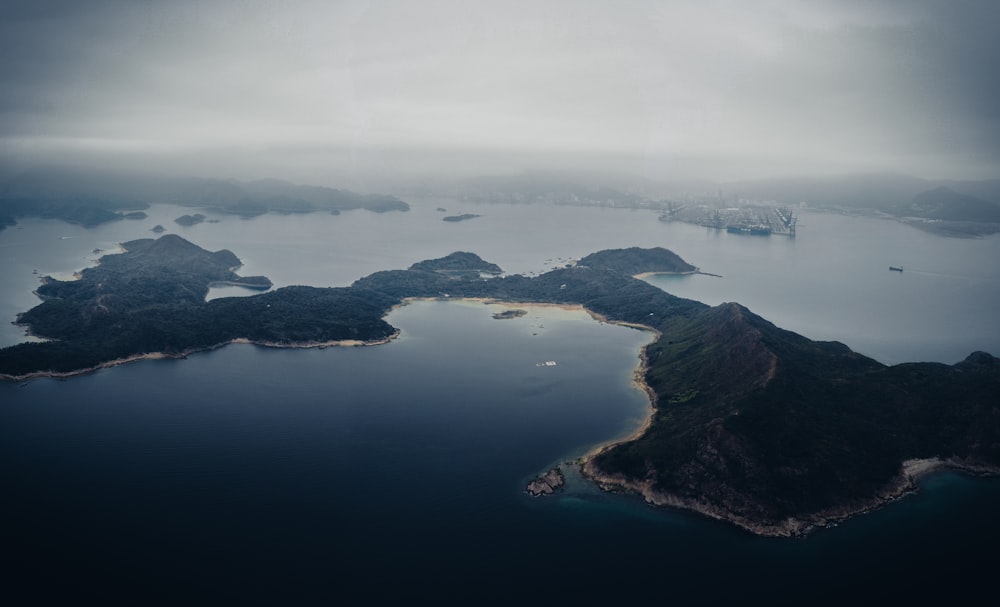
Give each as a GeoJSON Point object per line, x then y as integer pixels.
{"type": "Point", "coordinates": [900, 195]}
{"type": "Point", "coordinates": [87, 197]}
{"type": "Point", "coordinates": [946, 204]}
{"type": "Point", "coordinates": [90, 197]}
{"type": "Point", "coordinates": [559, 187]}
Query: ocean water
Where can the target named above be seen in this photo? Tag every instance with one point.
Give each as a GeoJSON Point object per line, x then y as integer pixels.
{"type": "Point", "coordinates": [830, 283]}
{"type": "Point", "coordinates": [396, 472]}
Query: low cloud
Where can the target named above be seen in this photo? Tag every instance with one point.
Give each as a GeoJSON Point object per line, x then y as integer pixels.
{"type": "Point", "coordinates": [666, 89]}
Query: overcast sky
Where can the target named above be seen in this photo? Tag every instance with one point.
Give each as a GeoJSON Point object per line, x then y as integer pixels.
{"type": "Point", "coordinates": [665, 89]}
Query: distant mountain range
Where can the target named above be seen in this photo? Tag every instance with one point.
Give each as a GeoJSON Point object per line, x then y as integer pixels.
{"type": "Point", "coordinates": [944, 202]}
{"type": "Point", "coordinates": [90, 197]}
{"type": "Point", "coordinates": [895, 194]}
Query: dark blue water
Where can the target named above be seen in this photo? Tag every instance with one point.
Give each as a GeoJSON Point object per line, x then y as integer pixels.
{"type": "Point", "coordinates": [251, 475]}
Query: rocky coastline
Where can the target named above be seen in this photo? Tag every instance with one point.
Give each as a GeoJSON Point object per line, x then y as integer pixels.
{"type": "Point", "coordinates": [905, 483]}
{"type": "Point", "coordinates": [547, 483]}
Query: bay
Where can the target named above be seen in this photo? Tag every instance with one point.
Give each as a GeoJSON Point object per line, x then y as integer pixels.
{"type": "Point", "coordinates": [257, 475]}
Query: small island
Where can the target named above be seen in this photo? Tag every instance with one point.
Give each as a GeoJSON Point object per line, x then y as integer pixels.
{"type": "Point", "coordinates": [190, 220]}
{"type": "Point", "coordinates": [638, 262]}
{"type": "Point", "coordinates": [462, 217]}
{"type": "Point", "coordinates": [458, 264]}
{"type": "Point", "coordinates": [546, 484]}
{"type": "Point", "coordinates": [506, 314]}
{"type": "Point", "coordinates": [751, 424]}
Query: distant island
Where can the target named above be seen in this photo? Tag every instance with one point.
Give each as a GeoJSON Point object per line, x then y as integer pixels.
{"type": "Point", "coordinates": [944, 207]}
{"type": "Point", "coordinates": [751, 424]}
{"type": "Point", "coordinates": [635, 261]}
{"type": "Point", "coordinates": [508, 314]}
{"type": "Point", "coordinates": [190, 220]}
{"type": "Point", "coordinates": [462, 217]}
{"type": "Point", "coordinates": [91, 198]}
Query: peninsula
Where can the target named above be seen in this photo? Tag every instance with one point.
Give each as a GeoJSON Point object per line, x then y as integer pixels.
{"type": "Point", "coordinates": [751, 423]}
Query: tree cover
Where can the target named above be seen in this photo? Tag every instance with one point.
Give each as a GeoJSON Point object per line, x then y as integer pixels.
{"type": "Point", "coordinates": [763, 425]}
{"type": "Point", "coordinates": [634, 261]}
{"type": "Point", "coordinates": [755, 422]}
{"type": "Point", "coordinates": [84, 211]}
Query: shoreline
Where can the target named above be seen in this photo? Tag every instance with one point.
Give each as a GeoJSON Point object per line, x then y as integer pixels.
{"type": "Point", "coordinates": [306, 344]}
{"type": "Point", "coordinates": [639, 382]}
{"type": "Point", "coordinates": [270, 344]}
{"type": "Point", "coordinates": [643, 275]}
{"type": "Point", "coordinates": [216, 284]}
{"type": "Point", "coordinates": [902, 485]}
{"type": "Point", "coordinates": [347, 343]}
{"type": "Point", "coordinates": [509, 302]}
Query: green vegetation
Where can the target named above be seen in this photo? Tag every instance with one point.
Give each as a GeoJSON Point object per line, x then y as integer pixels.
{"type": "Point", "coordinates": [457, 262]}
{"type": "Point", "coordinates": [633, 261]}
{"type": "Point", "coordinates": [752, 423]}
{"type": "Point", "coordinates": [763, 425]}
{"type": "Point", "coordinates": [152, 299]}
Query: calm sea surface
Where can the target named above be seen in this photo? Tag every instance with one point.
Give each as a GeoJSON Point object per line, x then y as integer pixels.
{"type": "Point", "coordinates": [289, 476]}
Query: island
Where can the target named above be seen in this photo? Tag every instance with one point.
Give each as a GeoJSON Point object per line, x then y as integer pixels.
{"type": "Point", "coordinates": [508, 314]}
{"type": "Point", "coordinates": [751, 424]}
{"type": "Point", "coordinates": [546, 484]}
{"type": "Point", "coordinates": [639, 262]}
{"type": "Point", "coordinates": [85, 211]}
{"type": "Point", "coordinates": [190, 220]}
{"type": "Point", "coordinates": [458, 264]}
{"type": "Point", "coordinates": [462, 217]}
{"type": "Point", "coordinates": [90, 197]}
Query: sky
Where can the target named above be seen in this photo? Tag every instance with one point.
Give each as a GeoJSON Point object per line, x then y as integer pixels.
{"type": "Point", "coordinates": [333, 92]}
